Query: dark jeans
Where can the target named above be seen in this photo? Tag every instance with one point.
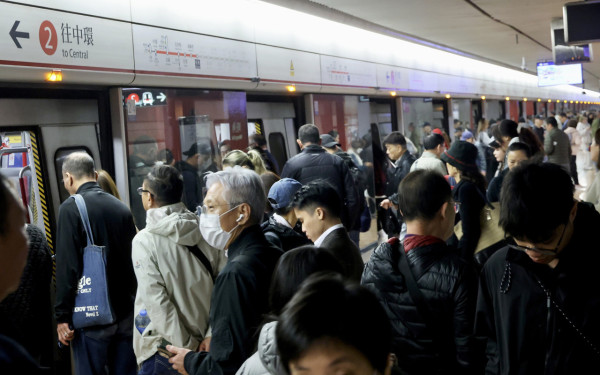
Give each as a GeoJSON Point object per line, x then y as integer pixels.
{"type": "Point", "coordinates": [157, 365]}
{"type": "Point", "coordinates": [105, 350]}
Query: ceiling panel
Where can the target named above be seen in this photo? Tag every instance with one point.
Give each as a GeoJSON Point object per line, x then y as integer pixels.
{"type": "Point", "coordinates": [460, 25]}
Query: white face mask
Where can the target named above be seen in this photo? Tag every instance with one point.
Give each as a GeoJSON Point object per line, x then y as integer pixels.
{"type": "Point", "coordinates": [210, 227]}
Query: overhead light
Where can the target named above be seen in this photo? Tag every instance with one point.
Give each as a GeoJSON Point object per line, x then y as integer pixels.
{"type": "Point", "coordinates": [393, 93]}
{"type": "Point", "coordinates": [448, 96]}
{"type": "Point", "coordinates": [558, 100]}
{"type": "Point", "coordinates": [564, 101]}
{"type": "Point", "coordinates": [291, 88]}
{"type": "Point", "coordinates": [524, 99]}
{"type": "Point", "coordinates": [571, 102]}
{"type": "Point", "coordinates": [539, 100]}
{"type": "Point", "coordinates": [483, 97]}
{"type": "Point", "coordinates": [576, 101]}
{"type": "Point", "coordinates": [54, 76]}
{"type": "Point", "coordinates": [507, 98]}
{"type": "Point", "coordinates": [549, 100]}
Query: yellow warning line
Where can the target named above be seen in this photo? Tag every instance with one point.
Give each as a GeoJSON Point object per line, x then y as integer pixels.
{"type": "Point", "coordinates": [42, 192]}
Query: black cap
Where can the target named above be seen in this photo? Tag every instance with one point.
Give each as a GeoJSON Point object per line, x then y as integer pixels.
{"type": "Point", "coordinates": [328, 141]}
{"type": "Point", "coordinates": [462, 155]}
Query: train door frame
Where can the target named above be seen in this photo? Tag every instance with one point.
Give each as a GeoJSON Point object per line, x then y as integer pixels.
{"type": "Point", "coordinates": [445, 112]}
{"type": "Point", "coordinates": [476, 111]}
{"type": "Point", "coordinates": [299, 119]}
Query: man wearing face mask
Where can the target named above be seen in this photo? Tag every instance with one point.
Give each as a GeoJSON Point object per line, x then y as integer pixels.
{"type": "Point", "coordinates": [230, 221]}
{"type": "Point", "coordinates": [444, 344]}
{"type": "Point", "coordinates": [174, 267]}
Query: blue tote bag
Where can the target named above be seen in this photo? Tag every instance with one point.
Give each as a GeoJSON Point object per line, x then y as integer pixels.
{"type": "Point", "coordinates": [92, 307]}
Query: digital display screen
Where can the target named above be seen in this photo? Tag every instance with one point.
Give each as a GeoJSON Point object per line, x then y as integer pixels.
{"type": "Point", "coordinates": [551, 75]}
{"type": "Point", "coordinates": [566, 54]}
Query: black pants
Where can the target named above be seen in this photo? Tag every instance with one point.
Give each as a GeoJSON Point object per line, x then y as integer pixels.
{"type": "Point", "coordinates": [574, 169]}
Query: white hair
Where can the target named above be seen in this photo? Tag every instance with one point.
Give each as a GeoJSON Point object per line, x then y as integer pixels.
{"type": "Point", "coordinates": [241, 185]}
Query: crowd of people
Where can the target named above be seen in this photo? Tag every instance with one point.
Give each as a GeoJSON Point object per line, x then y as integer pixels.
{"type": "Point", "coordinates": [482, 267]}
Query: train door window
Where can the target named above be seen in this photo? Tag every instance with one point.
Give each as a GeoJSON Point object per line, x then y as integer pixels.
{"type": "Point", "coordinates": [59, 158]}
{"type": "Point", "coordinates": [188, 124]}
{"type": "Point", "coordinates": [16, 165]}
{"type": "Point", "coordinates": [255, 126]}
{"type": "Point", "coordinates": [277, 146]}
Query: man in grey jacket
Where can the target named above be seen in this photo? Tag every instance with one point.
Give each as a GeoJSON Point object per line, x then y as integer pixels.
{"type": "Point", "coordinates": [430, 160]}
{"type": "Point", "coordinates": [175, 268]}
{"type": "Point", "coordinates": [557, 145]}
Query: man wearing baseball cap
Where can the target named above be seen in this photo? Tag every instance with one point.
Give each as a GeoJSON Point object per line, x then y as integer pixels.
{"type": "Point", "coordinates": [279, 229]}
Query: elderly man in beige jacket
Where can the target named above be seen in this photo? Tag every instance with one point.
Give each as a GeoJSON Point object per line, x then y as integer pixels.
{"type": "Point", "coordinates": [175, 269]}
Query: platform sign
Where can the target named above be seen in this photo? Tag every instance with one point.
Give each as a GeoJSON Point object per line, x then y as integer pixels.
{"type": "Point", "coordinates": [145, 97]}
{"type": "Point", "coordinates": [392, 77]}
{"type": "Point", "coordinates": [185, 54]}
{"type": "Point", "coordinates": [288, 66]}
{"type": "Point", "coordinates": [45, 38]}
{"type": "Point", "coordinates": [346, 72]}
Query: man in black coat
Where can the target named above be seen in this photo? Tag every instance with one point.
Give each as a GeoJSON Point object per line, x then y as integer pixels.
{"type": "Point", "coordinates": [112, 226]}
{"type": "Point", "coordinates": [233, 209]}
{"type": "Point", "coordinates": [317, 207]}
{"type": "Point", "coordinates": [538, 305]}
{"type": "Point", "coordinates": [315, 163]}
{"type": "Point", "coordinates": [442, 343]}
{"type": "Point", "coordinates": [396, 150]}
{"type": "Point", "coordinates": [192, 184]}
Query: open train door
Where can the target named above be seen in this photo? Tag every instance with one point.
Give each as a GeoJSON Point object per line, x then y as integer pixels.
{"type": "Point", "coordinates": [35, 136]}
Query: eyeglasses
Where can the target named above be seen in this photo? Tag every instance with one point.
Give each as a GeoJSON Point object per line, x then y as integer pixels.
{"type": "Point", "coordinates": [541, 251]}
{"type": "Point", "coordinates": [141, 191]}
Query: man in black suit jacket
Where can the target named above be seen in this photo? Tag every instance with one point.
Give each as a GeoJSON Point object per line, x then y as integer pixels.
{"type": "Point", "coordinates": [318, 206]}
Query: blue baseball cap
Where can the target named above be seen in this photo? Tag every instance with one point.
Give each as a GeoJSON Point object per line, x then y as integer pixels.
{"type": "Point", "coordinates": [282, 192]}
{"type": "Point", "coordinates": [466, 135]}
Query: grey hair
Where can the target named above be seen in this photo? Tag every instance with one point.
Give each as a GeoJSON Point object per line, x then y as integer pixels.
{"type": "Point", "coordinates": [79, 164]}
{"type": "Point", "coordinates": [241, 185]}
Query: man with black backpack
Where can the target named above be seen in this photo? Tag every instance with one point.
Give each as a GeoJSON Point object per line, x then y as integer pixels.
{"type": "Point", "coordinates": [175, 269]}
{"type": "Point", "coordinates": [427, 290]}
{"type": "Point", "coordinates": [360, 184]}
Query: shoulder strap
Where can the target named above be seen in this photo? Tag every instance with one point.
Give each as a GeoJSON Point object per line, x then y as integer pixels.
{"type": "Point", "coordinates": [419, 300]}
{"type": "Point", "coordinates": [84, 218]}
{"type": "Point", "coordinates": [202, 258]}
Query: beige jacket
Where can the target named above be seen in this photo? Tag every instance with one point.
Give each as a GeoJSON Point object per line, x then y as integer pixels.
{"type": "Point", "coordinates": [173, 285]}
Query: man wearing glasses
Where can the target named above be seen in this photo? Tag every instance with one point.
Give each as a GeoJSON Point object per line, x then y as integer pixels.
{"type": "Point", "coordinates": [538, 304]}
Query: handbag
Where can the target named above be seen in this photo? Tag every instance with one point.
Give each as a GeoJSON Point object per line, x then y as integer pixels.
{"type": "Point", "coordinates": [92, 306]}
{"type": "Point", "coordinates": [491, 231]}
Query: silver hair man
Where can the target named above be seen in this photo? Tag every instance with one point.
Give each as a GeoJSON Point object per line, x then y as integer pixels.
{"type": "Point", "coordinates": [241, 185]}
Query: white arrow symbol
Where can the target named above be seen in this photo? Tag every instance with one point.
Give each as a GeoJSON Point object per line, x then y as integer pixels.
{"type": "Point", "coordinates": [162, 97]}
